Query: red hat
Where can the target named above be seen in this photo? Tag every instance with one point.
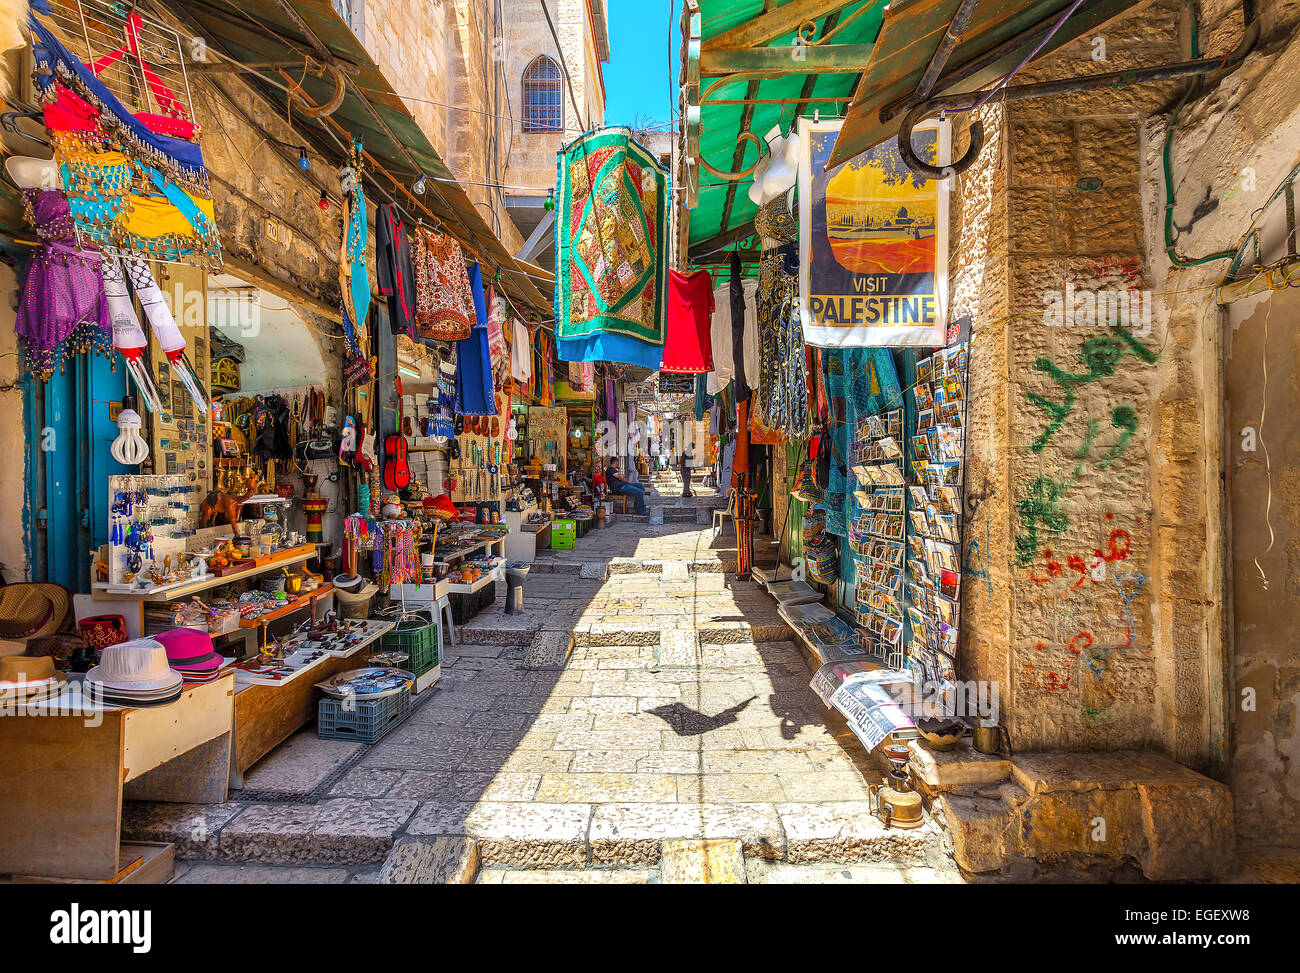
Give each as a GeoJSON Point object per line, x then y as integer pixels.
{"type": "Point", "coordinates": [443, 507]}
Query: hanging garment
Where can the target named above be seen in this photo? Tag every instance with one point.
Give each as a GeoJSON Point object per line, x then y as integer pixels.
{"type": "Point", "coordinates": [496, 337]}
{"type": "Point", "coordinates": [521, 353]}
{"type": "Point", "coordinates": [62, 309]}
{"type": "Point", "coordinates": [474, 396]}
{"type": "Point", "coordinates": [395, 270]}
{"type": "Point", "coordinates": [687, 349]}
{"type": "Point", "coordinates": [611, 265]}
{"type": "Point", "coordinates": [749, 344]}
{"type": "Point", "coordinates": [781, 402]}
{"type": "Point", "coordinates": [444, 306]}
{"type": "Point", "coordinates": [724, 354]}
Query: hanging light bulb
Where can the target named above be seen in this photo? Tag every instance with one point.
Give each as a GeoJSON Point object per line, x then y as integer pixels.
{"type": "Point", "coordinates": [420, 184]}
{"type": "Point", "coordinates": [324, 200]}
{"type": "Point", "coordinates": [304, 163]}
{"type": "Point", "coordinates": [129, 448]}
{"type": "Point", "coordinates": [550, 199]}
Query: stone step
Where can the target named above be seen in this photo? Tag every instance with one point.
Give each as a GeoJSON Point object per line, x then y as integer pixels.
{"type": "Point", "coordinates": [340, 831]}
{"type": "Point", "coordinates": [532, 835]}
{"type": "Point", "coordinates": [1176, 824]}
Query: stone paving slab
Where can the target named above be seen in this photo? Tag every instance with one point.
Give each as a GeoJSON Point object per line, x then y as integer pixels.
{"type": "Point", "coordinates": [707, 862]}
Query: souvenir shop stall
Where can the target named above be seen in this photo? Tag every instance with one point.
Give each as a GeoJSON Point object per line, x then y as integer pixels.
{"type": "Point", "coordinates": [838, 369]}
{"type": "Point", "coordinates": [289, 535]}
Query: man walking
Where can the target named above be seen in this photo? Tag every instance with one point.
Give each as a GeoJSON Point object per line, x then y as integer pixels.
{"type": "Point", "coordinates": [688, 460]}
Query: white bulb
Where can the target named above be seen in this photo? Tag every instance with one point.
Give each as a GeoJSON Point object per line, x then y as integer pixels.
{"type": "Point", "coordinates": [129, 448]}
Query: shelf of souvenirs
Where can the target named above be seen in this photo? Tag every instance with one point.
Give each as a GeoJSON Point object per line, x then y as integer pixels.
{"type": "Point", "coordinates": [185, 587]}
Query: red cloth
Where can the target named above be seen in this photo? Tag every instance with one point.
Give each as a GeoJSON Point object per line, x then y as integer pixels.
{"type": "Point", "coordinates": [687, 347]}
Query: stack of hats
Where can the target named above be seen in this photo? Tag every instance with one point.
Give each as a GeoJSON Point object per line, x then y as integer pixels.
{"type": "Point", "coordinates": [190, 653]}
{"type": "Point", "coordinates": [28, 679]}
{"type": "Point", "coordinates": [134, 673]}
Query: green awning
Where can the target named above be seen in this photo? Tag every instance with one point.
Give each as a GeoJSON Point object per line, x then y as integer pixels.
{"type": "Point", "coordinates": [724, 205]}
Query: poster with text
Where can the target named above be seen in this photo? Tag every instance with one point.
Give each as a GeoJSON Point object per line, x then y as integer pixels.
{"type": "Point", "coordinates": [873, 242]}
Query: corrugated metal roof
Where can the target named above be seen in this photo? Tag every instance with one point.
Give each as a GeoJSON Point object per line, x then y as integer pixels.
{"type": "Point", "coordinates": [252, 31]}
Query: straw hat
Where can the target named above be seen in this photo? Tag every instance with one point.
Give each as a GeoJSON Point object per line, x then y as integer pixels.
{"type": "Point", "coordinates": [28, 677]}
{"type": "Point", "coordinates": [139, 666]}
{"type": "Point", "coordinates": [32, 609]}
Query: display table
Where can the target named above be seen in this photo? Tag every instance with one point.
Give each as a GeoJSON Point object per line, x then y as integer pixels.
{"type": "Point", "coordinates": [265, 716]}
{"type": "Point", "coordinates": [65, 776]}
{"type": "Point", "coordinates": [523, 545]}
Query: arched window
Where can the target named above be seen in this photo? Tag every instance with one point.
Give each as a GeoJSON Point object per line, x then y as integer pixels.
{"type": "Point", "coordinates": [543, 110]}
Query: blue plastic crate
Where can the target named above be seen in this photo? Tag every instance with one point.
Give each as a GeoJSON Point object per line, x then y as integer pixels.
{"type": "Point", "coordinates": [366, 721]}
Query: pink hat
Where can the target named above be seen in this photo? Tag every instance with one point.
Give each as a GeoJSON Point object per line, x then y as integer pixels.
{"type": "Point", "coordinates": [189, 651]}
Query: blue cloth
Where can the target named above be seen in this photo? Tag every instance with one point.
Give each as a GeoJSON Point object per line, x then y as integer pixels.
{"type": "Point", "coordinates": [604, 346]}
{"type": "Point", "coordinates": [473, 360]}
{"type": "Point", "coordinates": [637, 492]}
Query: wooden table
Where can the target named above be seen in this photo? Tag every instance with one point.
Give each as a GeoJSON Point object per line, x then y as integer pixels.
{"type": "Point", "coordinates": [64, 776]}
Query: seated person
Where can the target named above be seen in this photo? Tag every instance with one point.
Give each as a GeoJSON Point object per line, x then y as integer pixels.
{"type": "Point", "coordinates": [617, 484]}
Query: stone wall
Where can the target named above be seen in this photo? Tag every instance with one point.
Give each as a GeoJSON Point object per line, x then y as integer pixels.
{"type": "Point", "coordinates": [532, 154]}
{"type": "Point", "coordinates": [1070, 433]}
{"type": "Point", "coordinates": [1096, 561]}
{"type": "Point", "coordinates": [1230, 151]}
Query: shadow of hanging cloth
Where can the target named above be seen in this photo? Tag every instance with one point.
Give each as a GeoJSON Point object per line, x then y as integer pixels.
{"type": "Point", "coordinates": [686, 722]}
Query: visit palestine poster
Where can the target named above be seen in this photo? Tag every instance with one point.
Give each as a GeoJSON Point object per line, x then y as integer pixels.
{"type": "Point", "coordinates": [873, 243]}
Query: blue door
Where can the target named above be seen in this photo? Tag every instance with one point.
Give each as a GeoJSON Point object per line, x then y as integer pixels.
{"type": "Point", "coordinates": [69, 432]}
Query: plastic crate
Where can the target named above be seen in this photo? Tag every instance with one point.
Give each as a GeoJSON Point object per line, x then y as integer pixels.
{"type": "Point", "coordinates": [418, 638]}
{"type": "Point", "coordinates": [364, 721]}
{"type": "Point", "coordinates": [563, 534]}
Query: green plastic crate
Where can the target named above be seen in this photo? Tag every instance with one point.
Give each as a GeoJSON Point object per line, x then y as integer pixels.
{"type": "Point", "coordinates": [418, 638]}
{"type": "Point", "coordinates": [563, 534]}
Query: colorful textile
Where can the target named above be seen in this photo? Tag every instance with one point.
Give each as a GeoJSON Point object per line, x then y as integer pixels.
{"type": "Point", "coordinates": [496, 336]}
{"type": "Point", "coordinates": [611, 260]}
{"type": "Point", "coordinates": [87, 123]}
{"type": "Point", "coordinates": [62, 309]}
{"type": "Point", "coordinates": [473, 363]}
{"type": "Point", "coordinates": [688, 348]}
{"type": "Point", "coordinates": [444, 306]}
{"type": "Point", "coordinates": [395, 270]}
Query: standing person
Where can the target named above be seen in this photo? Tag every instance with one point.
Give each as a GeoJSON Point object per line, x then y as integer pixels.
{"type": "Point", "coordinates": [688, 460]}
{"type": "Point", "coordinates": [663, 456]}
{"type": "Point", "coordinates": [618, 484]}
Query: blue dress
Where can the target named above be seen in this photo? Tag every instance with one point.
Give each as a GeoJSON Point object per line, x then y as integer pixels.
{"type": "Point", "coordinates": [473, 361]}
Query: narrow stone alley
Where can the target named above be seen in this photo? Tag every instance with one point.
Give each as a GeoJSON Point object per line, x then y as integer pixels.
{"type": "Point", "coordinates": [646, 719]}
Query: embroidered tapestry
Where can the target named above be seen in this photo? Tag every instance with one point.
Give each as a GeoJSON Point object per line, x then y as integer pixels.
{"type": "Point", "coordinates": [611, 266]}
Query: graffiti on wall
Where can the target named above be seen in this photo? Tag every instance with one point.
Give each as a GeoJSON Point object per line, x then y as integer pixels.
{"type": "Point", "coordinates": [1040, 509]}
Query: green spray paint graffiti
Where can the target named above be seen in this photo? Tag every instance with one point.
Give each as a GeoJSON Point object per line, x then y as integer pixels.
{"type": "Point", "coordinates": [1040, 508]}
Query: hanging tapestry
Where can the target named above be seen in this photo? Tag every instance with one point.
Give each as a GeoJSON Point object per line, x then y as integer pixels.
{"type": "Point", "coordinates": [444, 307]}
{"type": "Point", "coordinates": [136, 183]}
{"type": "Point", "coordinates": [611, 260]}
{"type": "Point", "coordinates": [873, 243]}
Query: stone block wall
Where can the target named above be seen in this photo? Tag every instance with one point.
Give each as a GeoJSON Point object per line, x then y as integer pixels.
{"type": "Point", "coordinates": [1096, 562]}
{"type": "Point", "coordinates": [532, 154]}
{"type": "Point", "coordinates": [1072, 425]}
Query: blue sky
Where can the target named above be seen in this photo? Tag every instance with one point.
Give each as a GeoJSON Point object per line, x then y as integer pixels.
{"type": "Point", "coordinates": [640, 80]}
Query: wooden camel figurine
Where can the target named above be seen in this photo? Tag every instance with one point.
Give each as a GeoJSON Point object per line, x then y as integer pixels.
{"type": "Point", "coordinates": [219, 503]}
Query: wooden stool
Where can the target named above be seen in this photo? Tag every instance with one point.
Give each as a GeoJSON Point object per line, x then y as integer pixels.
{"type": "Point", "coordinates": [621, 500]}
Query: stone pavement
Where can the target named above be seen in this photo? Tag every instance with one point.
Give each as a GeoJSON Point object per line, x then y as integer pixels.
{"type": "Point", "coordinates": [678, 741]}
